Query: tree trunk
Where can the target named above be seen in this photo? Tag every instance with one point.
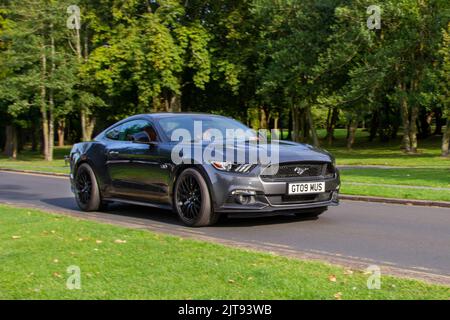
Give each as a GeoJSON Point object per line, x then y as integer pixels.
{"type": "Point", "coordinates": [438, 116]}
{"type": "Point", "coordinates": [352, 127]}
{"type": "Point", "coordinates": [295, 124]}
{"type": "Point", "coordinates": [86, 119]}
{"type": "Point", "coordinates": [61, 132]}
{"type": "Point", "coordinates": [51, 102]}
{"type": "Point", "coordinates": [290, 125]}
{"type": "Point", "coordinates": [276, 120]}
{"type": "Point", "coordinates": [175, 103]}
{"type": "Point", "coordinates": [446, 140]}
{"type": "Point", "coordinates": [331, 125]}
{"type": "Point", "coordinates": [10, 149]}
{"type": "Point", "coordinates": [327, 124]}
{"type": "Point", "coordinates": [304, 128]}
{"type": "Point", "coordinates": [263, 118]}
{"type": "Point", "coordinates": [51, 128]}
{"type": "Point", "coordinates": [406, 142]}
{"type": "Point", "coordinates": [87, 125]}
{"type": "Point", "coordinates": [413, 129]}
{"type": "Point", "coordinates": [45, 146]}
{"type": "Point", "coordinates": [374, 124]}
{"type": "Point", "coordinates": [312, 128]}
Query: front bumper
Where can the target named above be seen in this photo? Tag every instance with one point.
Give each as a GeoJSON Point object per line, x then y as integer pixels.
{"type": "Point", "coordinates": [269, 197]}
{"type": "Point", "coordinates": [263, 205]}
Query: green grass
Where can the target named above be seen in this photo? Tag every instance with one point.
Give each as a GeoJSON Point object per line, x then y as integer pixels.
{"type": "Point", "coordinates": [426, 177]}
{"type": "Point", "coordinates": [387, 154]}
{"type": "Point", "coordinates": [394, 192]}
{"type": "Point", "coordinates": [33, 161]}
{"type": "Point", "coordinates": [430, 177]}
{"type": "Point", "coordinates": [36, 249]}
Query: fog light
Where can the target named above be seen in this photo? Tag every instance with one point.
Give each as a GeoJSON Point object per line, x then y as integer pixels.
{"type": "Point", "coordinates": [244, 197]}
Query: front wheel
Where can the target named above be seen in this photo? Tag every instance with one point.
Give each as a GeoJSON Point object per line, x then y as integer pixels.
{"type": "Point", "coordinates": [311, 213]}
{"type": "Point", "coordinates": [192, 200]}
{"type": "Point", "coordinates": [87, 192]}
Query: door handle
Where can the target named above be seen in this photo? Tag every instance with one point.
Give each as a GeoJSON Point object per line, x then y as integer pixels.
{"type": "Point", "coordinates": [113, 153]}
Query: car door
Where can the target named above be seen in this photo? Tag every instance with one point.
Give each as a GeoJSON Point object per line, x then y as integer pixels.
{"type": "Point", "coordinates": [136, 167]}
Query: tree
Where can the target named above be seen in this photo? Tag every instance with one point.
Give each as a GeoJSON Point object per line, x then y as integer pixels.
{"type": "Point", "coordinates": [390, 61]}
{"type": "Point", "coordinates": [40, 73]}
{"type": "Point", "coordinates": [444, 76]}
{"type": "Point", "coordinates": [296, 36]}
{"type": "Point", "coordinates": [152, 53]}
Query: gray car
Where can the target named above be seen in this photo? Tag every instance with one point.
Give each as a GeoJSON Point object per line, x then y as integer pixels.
{"type": "Point", "coordinates": [143, 160]}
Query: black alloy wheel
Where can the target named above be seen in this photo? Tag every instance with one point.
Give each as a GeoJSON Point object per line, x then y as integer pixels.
{"type": "Point", "coordinates": [83, 186]}
{"type": "Point", "coordinates": [192, 199]}
{"type": "Point", "coordinates": [189, 197]}
{"type": "Point", "coordinates": [87, 192]}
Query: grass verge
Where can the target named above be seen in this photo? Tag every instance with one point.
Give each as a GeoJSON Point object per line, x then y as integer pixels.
{"type": "Point", "coordinates": [395, 192]}
{"type": "Point", "coordinates": [424, 177]}
{"type": "Point", "coordinates": [36, 248]}
{"type": "Point", "coordinates": [33, 161]}
{"type": "Point", "coordinates": [367, 152]}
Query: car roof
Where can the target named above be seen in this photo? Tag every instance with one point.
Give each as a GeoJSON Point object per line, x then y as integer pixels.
{"type": "Point", "coordinates": [161, 115]}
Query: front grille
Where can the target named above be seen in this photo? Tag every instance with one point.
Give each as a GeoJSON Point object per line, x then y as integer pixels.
{"type": "Point", "coordinates": [299, 171]}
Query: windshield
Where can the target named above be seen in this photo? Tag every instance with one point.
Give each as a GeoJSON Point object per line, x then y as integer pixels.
{"type": "Point", "coordinates": [205, 127]}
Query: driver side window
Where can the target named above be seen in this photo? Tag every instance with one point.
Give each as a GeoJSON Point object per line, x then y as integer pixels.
{"type": "Point", "coordinates": [138, 131]}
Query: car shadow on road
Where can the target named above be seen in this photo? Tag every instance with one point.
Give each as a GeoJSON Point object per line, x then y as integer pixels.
{"type": "Point", "coordinates": [120, 212]}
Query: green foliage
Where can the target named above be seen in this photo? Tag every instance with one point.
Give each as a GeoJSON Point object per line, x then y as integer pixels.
{"type": "Point", "coordinates": [228, 57]}
{"type": "Point", "coordinates": [444, 70]}
{"type": "Point", "coordinates": [148, 55]}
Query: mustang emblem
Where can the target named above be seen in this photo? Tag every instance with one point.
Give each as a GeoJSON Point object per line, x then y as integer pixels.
{"type": "Point", "coordinates": [300, 171]}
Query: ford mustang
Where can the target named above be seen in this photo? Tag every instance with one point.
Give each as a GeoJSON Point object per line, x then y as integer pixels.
{"type": "Point", "coordinates": [138, 161]}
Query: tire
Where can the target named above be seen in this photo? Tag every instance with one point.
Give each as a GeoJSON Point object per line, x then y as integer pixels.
{"type": "Point", "coordinates": [311, 213]}
{"type": "Point", "coordinates": [192, 200]}
{"type": "Point", "coordinates": [87, 192]}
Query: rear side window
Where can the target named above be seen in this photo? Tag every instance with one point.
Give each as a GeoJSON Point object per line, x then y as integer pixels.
{"type": "Point", "coordinates": [114, 133]}
{"type": "Point", "coordinates": [131, 128]}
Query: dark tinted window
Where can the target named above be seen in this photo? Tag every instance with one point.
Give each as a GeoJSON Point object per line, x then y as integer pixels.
{"type": "Point", "coordinates": [130, 129]}
{"type": "Point", "coordinates": [114, 133]}
{"type": "Point", "coordinates": [136, 130]}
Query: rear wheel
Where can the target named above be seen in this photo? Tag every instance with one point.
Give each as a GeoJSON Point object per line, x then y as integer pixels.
{"type": "Point", "coordinates": [192, 200]}
{"type": "Point", "coordinates": [87, 192]}
{"type": "Point", "coordinates": [311, 213]}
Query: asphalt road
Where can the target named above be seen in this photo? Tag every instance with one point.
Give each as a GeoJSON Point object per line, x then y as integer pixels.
{"type": "Point", "coordinates": [408, 237]}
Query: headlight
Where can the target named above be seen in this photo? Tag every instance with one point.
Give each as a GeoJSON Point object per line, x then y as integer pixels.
{"type": "Point", "coordinates": [222, 166]}
{"type": "Point", "coordinates": [232, 167]}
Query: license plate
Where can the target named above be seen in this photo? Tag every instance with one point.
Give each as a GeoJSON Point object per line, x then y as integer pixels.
{"type": "Point", "coordinates": [306, 187]}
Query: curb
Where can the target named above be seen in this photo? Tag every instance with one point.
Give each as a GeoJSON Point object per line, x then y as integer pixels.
{"type": "Point", "coordinates": [408, 202]}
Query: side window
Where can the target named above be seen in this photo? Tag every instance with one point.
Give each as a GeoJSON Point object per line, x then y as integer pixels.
{"type": "Point", "coordinates": [137, 130]}
{"type": "Point", "coordinates": [114, 133]}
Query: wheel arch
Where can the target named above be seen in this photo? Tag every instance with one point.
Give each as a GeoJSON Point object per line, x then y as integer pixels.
{"type": "Point", "coordinates": [179, 169]}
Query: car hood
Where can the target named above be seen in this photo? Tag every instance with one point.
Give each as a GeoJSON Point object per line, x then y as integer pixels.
{"type": "Point", "coordinates": [287, 151]}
